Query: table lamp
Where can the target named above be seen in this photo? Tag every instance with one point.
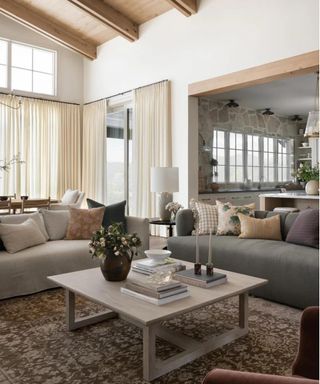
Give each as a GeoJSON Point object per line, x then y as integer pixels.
{"type": "Point", "coordinates": [164, 180]}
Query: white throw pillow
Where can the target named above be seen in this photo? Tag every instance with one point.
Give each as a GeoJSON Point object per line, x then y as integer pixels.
{"type": "Point", "coordinates": [70, 196]}
{"type": "Point", "coordinates": [205, 216]}
{"type": "Point", "coordinates": [16, 237]}
{"type": "Point", "coordinates": [18, 219]}
{"type": "Point", "coordinates": [56, 223]}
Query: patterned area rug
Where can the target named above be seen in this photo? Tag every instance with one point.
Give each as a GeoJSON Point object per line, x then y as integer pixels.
{"type": "Point", "coordinates": [35, 346]}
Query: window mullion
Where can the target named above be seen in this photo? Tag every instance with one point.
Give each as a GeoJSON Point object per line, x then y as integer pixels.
{"type": "Point", "coordinates": [227, 157]}
{"type": "Point", "coordinates": [9, 67]}
{"type": "Point", "coordinates": [245, 156]}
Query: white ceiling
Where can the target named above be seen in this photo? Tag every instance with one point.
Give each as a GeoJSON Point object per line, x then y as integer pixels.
{"type": "Point", "coordinates": [292, 96]}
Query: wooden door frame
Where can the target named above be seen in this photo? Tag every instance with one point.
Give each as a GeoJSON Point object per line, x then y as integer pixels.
{"type": "Point", "coordinates": [276, 70]}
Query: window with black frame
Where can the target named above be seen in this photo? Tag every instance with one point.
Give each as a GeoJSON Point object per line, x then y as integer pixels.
{"type": "Point", "coordinates": [119, 156]}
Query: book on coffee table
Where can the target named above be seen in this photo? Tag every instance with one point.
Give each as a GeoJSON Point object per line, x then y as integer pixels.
{"type": "Point", "coordinates": [148, 266]}
{"type": "Point", "coordinates": [158, 291]}
{"type": "Point", "coordinates": [203, 281]}
{"type": "Point", "coordinates": [154, 300]}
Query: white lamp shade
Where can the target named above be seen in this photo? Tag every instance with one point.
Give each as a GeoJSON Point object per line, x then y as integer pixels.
{"type": "Point", "coordinates": [165, 179]}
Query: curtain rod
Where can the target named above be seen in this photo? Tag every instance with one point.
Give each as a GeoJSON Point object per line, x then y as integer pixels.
{"type": "Point", "coordinates": [123, 93]}
{"type": "Point", "coordinates": [38, 98]}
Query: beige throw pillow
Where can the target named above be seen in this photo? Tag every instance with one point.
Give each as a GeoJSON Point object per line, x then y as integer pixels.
{"type": "Point", "coordinates": [83, 222]}
{"type": "Point", "coordinates": [18, 219]}
{"type": "Point", "coordinates": [252, 228]}
{"type": "Point", "coordinates": [56, 223]}
{"type": "Point", "coordinates": [228, 219]}
{"type": "Point", "coordinates": [205, 217]}
{"type": "Point", "coordinates": [16, 237]}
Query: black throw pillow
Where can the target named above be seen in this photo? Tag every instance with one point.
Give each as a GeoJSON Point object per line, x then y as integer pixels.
{"type": "Point", "coordinates": [305, 229]}
{"type": "Point", "coordinates": [113, 213]}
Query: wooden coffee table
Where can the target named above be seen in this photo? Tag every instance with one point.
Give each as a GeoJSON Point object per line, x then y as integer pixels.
{"type": "Point", "coordinates": [91, 284]}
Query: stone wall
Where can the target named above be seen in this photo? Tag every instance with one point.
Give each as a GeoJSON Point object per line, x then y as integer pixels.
{"type": "Point", "coordinates": [215, 115]}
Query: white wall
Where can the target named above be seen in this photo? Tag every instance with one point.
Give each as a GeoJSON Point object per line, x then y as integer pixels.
{"type": "Point", "coordinates": [69, 64]}
{"type": "Point", "coordinates": [224, 36]}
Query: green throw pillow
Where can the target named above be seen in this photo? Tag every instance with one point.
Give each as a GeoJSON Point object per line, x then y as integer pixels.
{"type": "Point", "coordinates": [113, 213]}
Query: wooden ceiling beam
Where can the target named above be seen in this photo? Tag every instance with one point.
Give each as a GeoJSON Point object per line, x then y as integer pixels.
{"type": "Point", "coordinates": [47, 27]}
{"type": "Point", "coordinates": [187, 7]}
{"type": "Point", "coordinates": [110, 17]}
{"type": "Point", "coordinates": [261, 74]}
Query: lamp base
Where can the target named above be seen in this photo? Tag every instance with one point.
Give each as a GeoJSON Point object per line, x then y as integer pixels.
{"type": "Point", "coordinates": [163, 200]}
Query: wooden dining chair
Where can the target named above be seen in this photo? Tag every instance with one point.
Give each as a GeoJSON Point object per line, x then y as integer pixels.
{"type": "Point", "coordinates": [5, 206]}
{"type": "Point", "coordinates": [35, 203]}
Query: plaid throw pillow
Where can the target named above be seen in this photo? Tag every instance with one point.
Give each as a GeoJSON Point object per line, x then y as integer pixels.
{"type": "Point", "coordinates": [205, 217]}
{"type": "Point", "coordinates": [229, 222]}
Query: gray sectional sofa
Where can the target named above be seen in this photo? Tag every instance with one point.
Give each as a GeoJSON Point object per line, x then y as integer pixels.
{"type": "Point", "coordinates": [292, 270]}
{"type": "Point", "coordinates": [26, 271]}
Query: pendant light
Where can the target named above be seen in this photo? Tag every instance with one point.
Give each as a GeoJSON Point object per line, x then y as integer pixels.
{"type": "Point", "coordinates": [232, 104]}
{"type": "Point", "coordinates": [268, 112]}
{"type": "Point", "coordinates": [313, 123]}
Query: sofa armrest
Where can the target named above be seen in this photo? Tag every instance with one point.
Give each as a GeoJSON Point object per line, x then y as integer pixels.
{"type": "Point", "coordinates": [141, 227]}
{"type": "Point", "coordinates": [307, 361]}
{"type": "Point", "coordinates": [184, 222]}
{"type": "Point", "coordinates": [221, 376]}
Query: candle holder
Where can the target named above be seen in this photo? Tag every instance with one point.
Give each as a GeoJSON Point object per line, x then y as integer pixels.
{"type": "Point", "coordinates": [197, 268]}
{"type": "Point", "coordinates": [209, 269]}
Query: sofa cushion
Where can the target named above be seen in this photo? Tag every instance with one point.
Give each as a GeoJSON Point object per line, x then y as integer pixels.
{"type": "Point", "coordinates": [70, 196]}
{"type": "Point", "coordinates": [290, 219]}
{"type": "Point", "coordinates": [305, 229]}
{"type": "Point", "coordinates": [283, 216]}
{"type": "Point", "coordinates": [16, 237]}
{"type": "Point", "coordinates": [26, 271]}
{"type": "Point", "coordinates": [18, 219]}
{"type": "Point", "coordinates": [84, 222]}
{"type": "Point", "coordinates": [56, 223]}
{"type": "Point", "coordinates": [268, 228]}
{"type": "Point", "coordinates": [114, 213]}
{"type": "Point", "coordinates": [228, 220]}
{"type": "Point", "coordinates": [205, 217]}
{"type": "Point", "coordinates": [292, 270]}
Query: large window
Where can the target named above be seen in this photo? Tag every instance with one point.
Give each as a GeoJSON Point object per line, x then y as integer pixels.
{"type": "Point", "coordinates": [119, 156]}
{"type": "Point", "coordinates": [27, 68]}
{"type": "Point", "coordinates": [251, 157]}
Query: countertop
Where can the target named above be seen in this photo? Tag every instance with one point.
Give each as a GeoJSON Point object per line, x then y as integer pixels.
{"type": "Point", "coordinates": [238, 190]}
{"type": "Point", "coordinates": [290, 195]}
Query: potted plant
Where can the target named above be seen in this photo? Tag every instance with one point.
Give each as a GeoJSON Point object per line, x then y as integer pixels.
{"type": "Point", "coordinates": [173, 208]}
{"type": "Point", "coordinates": [310, 176]}
{"type": "Point", "coordinates": [115, 249]}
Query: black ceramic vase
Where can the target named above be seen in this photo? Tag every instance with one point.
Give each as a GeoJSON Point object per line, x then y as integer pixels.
{"type": "Point", "coordinates": [115, 268]}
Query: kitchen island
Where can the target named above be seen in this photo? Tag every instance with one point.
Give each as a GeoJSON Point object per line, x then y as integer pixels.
{"type": "Point", "coordinates": [300, 200]}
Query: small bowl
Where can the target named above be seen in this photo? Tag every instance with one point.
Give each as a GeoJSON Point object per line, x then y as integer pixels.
{"type": "Point", "coordinates": [3, 198]}
{"type": "Point", "coordinates": [157, 254]}
{"type": "Point", "coordinates": [305, 144]}
{"type": "Point", "coordinates": [24, 197]}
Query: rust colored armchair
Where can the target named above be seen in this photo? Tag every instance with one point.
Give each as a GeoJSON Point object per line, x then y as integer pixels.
{"type": "Point", "coordinates": [305, 369]}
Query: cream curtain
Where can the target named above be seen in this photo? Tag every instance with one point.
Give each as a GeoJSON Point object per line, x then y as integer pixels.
{"type": "Point", "coordinates": [47, 134]}
{"type": "Point", "coordinates": [151, 142]}
{"type": "Point", "coordinates": [93, 149]}
{"type": "Point", "coordinates": [10, 138]}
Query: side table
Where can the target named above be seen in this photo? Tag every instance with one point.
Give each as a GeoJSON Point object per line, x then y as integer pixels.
{"type": "Point", "coordinates": [170, 224]}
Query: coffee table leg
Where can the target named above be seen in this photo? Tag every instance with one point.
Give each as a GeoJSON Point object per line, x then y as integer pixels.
{"type": "Point", "coordinates": [243, 310]}
{"type": "Point", "coordinates": [73, 323]}
{"type": "Point", "coordinates": [149, 352]}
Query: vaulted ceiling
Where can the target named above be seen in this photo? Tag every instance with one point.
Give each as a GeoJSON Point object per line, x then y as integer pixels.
{"type": "Point", "coordinates": [83, 25]}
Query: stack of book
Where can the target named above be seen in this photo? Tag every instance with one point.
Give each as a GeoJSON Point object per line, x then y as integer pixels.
{"type": "Point", "coordinates": [203, 281]}
{"type": "Point", "coordinates": [156, 293]}
{"type": "Point", "coordinates": [149, 266]}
